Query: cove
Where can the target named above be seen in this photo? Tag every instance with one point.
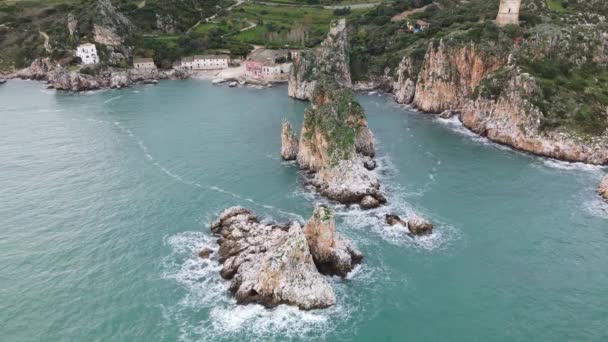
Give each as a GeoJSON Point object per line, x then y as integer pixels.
{"type": "Point", "coordinates": [107, 198]}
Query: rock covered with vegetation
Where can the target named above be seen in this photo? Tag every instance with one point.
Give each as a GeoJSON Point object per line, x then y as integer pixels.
{"type": "Point", "coordinates": [273, 264]}
{"type": "Point", "coordinates": [289, 142]}
{"type": "Point", "coordinates": [336, 144]}
{"type": "Point", "coordinates": [330, 60]}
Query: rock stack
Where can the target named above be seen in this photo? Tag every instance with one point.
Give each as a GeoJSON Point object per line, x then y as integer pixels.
{"type": "Point", "coordinates": [289, 142]}
{"type": "Point", "coordinates": [273, 264]}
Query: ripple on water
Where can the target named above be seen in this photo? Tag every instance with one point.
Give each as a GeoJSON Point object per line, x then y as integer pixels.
{"type": "Point", "coordinates": [207, 312]}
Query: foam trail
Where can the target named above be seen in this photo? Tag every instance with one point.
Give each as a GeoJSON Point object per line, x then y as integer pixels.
{"type": "Point", "coordinates": [112, 99]}
{"type": "Point", "coordinates": [142, 146]}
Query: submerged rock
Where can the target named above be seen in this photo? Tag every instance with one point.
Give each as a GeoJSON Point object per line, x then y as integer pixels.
{"type": "Point", "coordinates": [332, 253]}
{"type": "Point", "coordinates": [289, 142]}
{"type": "Point", "coordinates": [603, 189]}
{"type": "Point", "coordinates": [369, 202]}
{"type": "Point", "coordinates": [394, 220]}
{"type": "Point", "coordinates": [270, 264]}
{"type": "Point", "coordinates": [419, 226]}
{"type": "Point", "coordinates": [205, 253]}
{"type": "Point", "coordinates": [416, 225]}
{"type": "Point", "coordinates": [2, 81]}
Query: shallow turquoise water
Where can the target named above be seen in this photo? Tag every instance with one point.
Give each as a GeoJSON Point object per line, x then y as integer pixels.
{"type": "Point", "coordinates": [106, 198]}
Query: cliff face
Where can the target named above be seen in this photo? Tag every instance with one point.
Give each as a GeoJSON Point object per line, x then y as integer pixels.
{"type": "Point", "coordinates": [449, 75]}
{"type": "Point", "coordinates": [495, 99]}
{"type": "Point", "coordinates": [330, 60]}
{"type": "Point", "coordinates": [513, 120]}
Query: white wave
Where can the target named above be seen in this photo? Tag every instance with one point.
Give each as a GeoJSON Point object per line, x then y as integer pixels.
{"type": "Point", "coordinates": [597, 207]}
{"type": "Point", "coordinates": [563, 165]}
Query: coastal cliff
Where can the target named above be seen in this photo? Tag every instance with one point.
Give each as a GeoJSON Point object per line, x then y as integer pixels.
{"type": "Point", "coordinates": [60, 78]}
{"type": "Point", "coordinates": [496, 99]}
{"type": "Point", "coordinates": [337, 145]}
{"type": "Point", "coordinates": [330, 59]}
{"type": "Point", "coordinates": [449, 75]}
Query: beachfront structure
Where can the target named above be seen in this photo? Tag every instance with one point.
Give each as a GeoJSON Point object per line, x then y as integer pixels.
{"type": "Point", "coordinates": [205, 62]}
{"type": "Point", "coordinates": [268, 65]}
{"type": "Point", "coordinates": [144, 64]}
{"type": "Point", "coordinates": [87, 53]}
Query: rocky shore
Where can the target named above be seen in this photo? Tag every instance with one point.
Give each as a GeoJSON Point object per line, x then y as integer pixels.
{"type": "Point", "coordinates": [273, 264]}
{"type": "Point", "coordinates": [61, 78]}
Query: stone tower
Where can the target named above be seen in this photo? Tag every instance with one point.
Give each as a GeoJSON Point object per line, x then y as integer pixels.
{"type": "Point", "coordinates": [508, 13]}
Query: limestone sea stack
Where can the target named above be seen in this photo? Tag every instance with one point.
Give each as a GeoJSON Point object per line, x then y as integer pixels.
{"type": "Point", "coordinates": [273, 264]}
{"type": "Point", "coordinates": [337, 145]}
{"type": "Point", "coordinates": [603, 189]}
{"type": "Point", "coordinates": [331, 60]}
{"type": "Point", "coordinates": [333, 254]}
{"type": "Point", "coordinates": [289, 142]}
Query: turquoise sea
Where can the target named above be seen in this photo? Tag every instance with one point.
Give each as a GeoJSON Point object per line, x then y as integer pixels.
{"type": "Point", "coordinates": [106, 197]}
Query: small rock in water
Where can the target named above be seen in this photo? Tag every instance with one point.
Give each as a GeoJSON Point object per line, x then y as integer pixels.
{"type": "Point", "coordinates": [368, 202]}
{"type": "Point", "coordinates": [419, 226]}
{"type": "Point", "coordinates": [205, 253]}
{"type": "Point", "coordinates": [393, 220]}
{"type": "Point", "coordinates": [2, 81]}
{"type": "Point", "coordinates": [603, 189]}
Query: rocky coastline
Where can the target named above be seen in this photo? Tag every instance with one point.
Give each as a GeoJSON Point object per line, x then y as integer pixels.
{"type": "Point", "coordinates": [272, 264]}
{"type": "Point", "coordinates": [61, 78]}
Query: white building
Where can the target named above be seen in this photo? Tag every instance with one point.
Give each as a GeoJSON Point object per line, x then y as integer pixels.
{"type": "Point", "coordinates": [205, 62]}
{"type": "Point", "coordinates": [87, 53]}
{"type": "Point", "coordinates": [275, 72]}
{"type": "Point", "coordinates": [144, 64]}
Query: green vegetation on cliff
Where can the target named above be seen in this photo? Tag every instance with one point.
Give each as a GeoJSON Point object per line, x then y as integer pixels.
{"type": "Point", "coordinates": [337, 116]}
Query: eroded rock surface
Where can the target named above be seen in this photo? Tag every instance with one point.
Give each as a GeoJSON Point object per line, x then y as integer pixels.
{"type": "Point", "coordinates": [332, 253]}
{"type": "Point", "coordinates": [60, 78]}
{"type": "Point", "coordinates": [330, 60]}
{"type": "Point", "coordinates": [337, 145]}
{"type": "Point", "coordinates": [289, 142]}
{"type": "Point", "coordinates": [273, 264]}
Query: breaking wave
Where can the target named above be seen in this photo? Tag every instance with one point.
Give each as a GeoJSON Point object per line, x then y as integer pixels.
{"type": "Point", "coordinates": [206, 311]}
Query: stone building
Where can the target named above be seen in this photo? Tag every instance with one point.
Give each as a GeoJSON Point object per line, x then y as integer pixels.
{"type": "Point", "coordinates": [268, 65]}
{"type": "Point", "coordinates": [144, 64]}
{"type": "Point", "coordinates": [508, 13]}
{"type": "Point", "coordinates": [205, 62]}
{"type": "Point", "coordinates": [87, 53]}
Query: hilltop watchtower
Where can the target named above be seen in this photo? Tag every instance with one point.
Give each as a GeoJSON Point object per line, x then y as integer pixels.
{"type": "Point", "coordinates": [508, 13]}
